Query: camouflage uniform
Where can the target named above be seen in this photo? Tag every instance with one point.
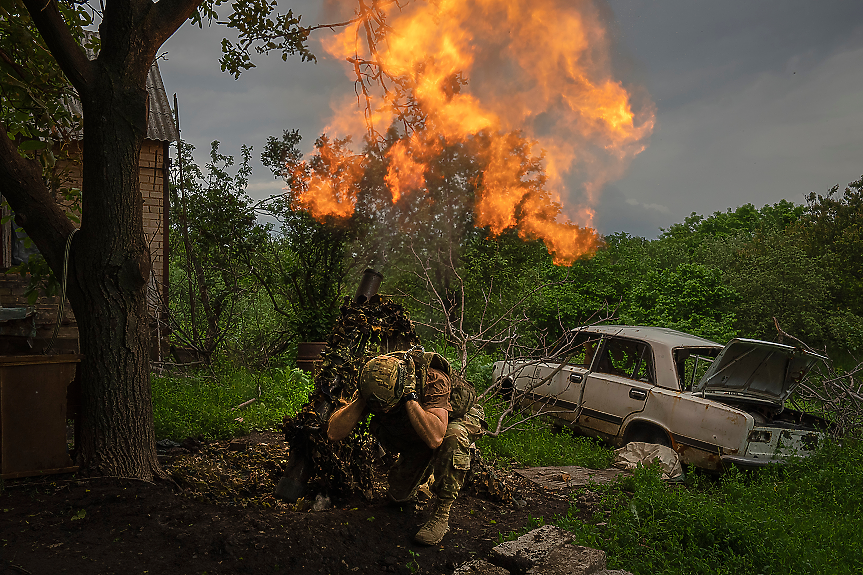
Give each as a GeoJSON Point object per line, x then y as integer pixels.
{"type": "Point", "coordinates": [450, 462]}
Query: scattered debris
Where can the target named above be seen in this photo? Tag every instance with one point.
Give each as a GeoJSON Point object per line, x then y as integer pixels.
{"type": "Point", "coordinates": [634, 453]}
{"type": "Point", "coordinates": [568, 476]}
{"type": "Point", "coordinates": [244, 404]}
{"type": "Point", "coordinates": [237, 445]}
{"type": "Point", "coordinates": [221, 473]}
{"type": "Point", "coordinates": [321, 503]}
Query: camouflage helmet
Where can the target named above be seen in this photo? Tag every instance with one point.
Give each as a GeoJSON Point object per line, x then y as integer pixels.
{"type": "Point", "coordinates": [382, 382]}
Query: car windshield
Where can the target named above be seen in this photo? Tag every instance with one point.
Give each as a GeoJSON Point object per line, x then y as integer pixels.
{"type": "Point", "coordinates": [691, 364]}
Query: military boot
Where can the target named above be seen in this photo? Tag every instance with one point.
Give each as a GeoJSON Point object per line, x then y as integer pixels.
{"type": "Point", "coordinates": [436, 527]}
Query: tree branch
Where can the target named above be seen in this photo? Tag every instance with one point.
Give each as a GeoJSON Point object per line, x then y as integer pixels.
{"type": "Point", "coordinates": [36, 211]}
{"type": "Point", "coordinates": [69, 55]}
{"type": "Point", "coordinates": [166, 17]}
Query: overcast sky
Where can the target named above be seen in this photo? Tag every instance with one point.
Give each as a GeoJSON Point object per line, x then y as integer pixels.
{"type": "Point", "coordinates": [756, 102]}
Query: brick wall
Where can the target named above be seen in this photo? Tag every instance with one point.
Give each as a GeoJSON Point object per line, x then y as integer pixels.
{"type": "Point", "coordinates": [12, 286]}
{"type": "Point", "coordinates": [152, 190]}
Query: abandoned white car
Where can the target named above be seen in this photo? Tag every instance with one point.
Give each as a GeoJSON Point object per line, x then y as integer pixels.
{"type": "Point", "coordinates": [713, 405]}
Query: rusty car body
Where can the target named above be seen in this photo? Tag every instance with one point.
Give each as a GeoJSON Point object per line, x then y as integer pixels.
{"type": "Point", "coordinates": [715, 405]}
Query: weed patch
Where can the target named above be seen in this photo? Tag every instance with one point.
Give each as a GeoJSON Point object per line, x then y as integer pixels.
{"type": "Point", "coordinates": [534, 443]}
{"type": "Point", "coordinates": [203, 404]}
{"type": "Point", "coordinates": [800, 519]}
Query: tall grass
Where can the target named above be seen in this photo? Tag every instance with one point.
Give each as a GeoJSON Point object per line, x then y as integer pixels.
{"type": "Point", "coordinates": [534, 443]}
{"type": "Point", "coordinates": [805, 518]}
{"type": "Point", "coordinates": [203, 404]}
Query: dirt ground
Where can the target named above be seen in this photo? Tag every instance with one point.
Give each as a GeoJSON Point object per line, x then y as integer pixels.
{"type": "Point", "coordinates": [65, 524]}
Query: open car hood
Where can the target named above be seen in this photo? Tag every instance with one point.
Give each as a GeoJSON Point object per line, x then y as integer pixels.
{"type": "Point", "coordinates": [757, 371]}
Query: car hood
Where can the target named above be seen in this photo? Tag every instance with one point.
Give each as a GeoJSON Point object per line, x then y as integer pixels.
{"type": "Point", "coordinates": [757, 371]}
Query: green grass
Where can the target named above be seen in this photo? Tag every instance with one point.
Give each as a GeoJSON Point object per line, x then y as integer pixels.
{"type": "Point", "coordinates": [798, 520]}
{"type": "Point", "coordinates": [201, 405]}
{"type": "Point", "coordinates": [534, 443]}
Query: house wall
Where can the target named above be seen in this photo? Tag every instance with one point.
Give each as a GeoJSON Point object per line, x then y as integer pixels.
{"type": "Point", "coordinates": [13, 333]}
{"type": "Point", "coordinates": [152, 182]}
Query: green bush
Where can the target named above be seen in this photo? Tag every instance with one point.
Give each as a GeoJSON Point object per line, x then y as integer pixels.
{"type": "Point", "coordinates": [801, 519]}
{"type": "Point", "coordinates": [202, 405]}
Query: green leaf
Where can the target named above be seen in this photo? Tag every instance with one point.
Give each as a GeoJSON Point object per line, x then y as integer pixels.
{"type": "Point", "coordinates": [31, 145]}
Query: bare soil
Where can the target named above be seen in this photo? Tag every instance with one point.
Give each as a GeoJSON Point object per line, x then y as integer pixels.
{"type": "Point", "coordinates": [68, 524]}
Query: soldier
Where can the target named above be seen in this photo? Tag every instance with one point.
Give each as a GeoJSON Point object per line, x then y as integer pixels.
{"type": "Point", "coordinates": [410, 395]}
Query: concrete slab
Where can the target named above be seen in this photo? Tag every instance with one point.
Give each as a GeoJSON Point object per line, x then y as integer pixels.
{"type": "Point", "coordinates": [569, 476]}
{"type": "Point", "coordinates": [571, 560]}
{"type": "Point", "coordinates": [524, 553]}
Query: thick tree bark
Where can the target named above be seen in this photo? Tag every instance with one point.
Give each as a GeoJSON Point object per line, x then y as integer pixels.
{"type": "Point", "coordinates": [109, 259]}
{"type": "Point", "coordinates": [111, 267]}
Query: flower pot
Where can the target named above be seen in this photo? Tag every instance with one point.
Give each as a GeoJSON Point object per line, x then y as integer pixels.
{"type": "Point", "coordinates": [309, 355]}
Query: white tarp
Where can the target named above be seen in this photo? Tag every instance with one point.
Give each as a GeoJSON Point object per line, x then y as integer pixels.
{"type": "Point", "coordinates": [629, 456]}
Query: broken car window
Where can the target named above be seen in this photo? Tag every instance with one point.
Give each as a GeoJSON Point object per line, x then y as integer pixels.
{"type": "Point", "coordinates": [627, 358]}
{"type": "Point", "coordinates": [580, 350]}
{"type": "Point", "coordinates": [692, 364]}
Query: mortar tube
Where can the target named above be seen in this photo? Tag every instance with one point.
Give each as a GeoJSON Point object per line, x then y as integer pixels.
{"type": "Point", "coordinates": [369, 285]}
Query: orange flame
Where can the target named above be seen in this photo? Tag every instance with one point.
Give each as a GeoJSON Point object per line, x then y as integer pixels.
{"type": "Point", "coordinates": [404, 173]}
{"type": "Point", "coordinates": [328, 185]}
{"type": "Point", "coordinates": [539, 67]}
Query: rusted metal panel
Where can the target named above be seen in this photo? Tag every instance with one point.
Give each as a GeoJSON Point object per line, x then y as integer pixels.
{"type": "Point", "coordinates": [33, 414]}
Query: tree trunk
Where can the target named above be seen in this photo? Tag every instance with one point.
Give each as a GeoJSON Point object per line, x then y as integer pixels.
{"type": "Point", "coordinates": [111, 268]}
{"type": "Point", "coordinates": [109, 259]}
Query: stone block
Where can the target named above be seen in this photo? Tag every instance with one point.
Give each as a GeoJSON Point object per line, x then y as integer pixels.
{"type": "Point", "coordinates": [571, 560]}
{"type": "Point", "coordinates": [524, 553]}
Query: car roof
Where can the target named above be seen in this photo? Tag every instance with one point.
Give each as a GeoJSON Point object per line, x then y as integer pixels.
{"type": "Point", "coordinates": [653, 335]}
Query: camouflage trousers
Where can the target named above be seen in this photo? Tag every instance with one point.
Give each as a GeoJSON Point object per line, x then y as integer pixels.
{"type": "Point", "coordinates": [417, 461]}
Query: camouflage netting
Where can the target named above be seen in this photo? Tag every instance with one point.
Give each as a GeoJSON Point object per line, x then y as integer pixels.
{"type": "Point", "coordinates": [361, 333]}
{"type": "Point", "coordinates": [344, 468]}
{"type": "Point", "coordinates": [483, 481]}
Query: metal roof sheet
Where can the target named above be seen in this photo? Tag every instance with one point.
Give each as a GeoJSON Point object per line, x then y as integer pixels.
{"type": "Point", "coordinates": [160, 120]}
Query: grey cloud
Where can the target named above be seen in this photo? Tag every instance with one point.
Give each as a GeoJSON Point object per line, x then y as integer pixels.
{"type": "Point", "coordinates": [756, 102]}
{"type": "Point", "coordinates": [777, 137]}
{"type": "Point", "coordinates": [617, 213]}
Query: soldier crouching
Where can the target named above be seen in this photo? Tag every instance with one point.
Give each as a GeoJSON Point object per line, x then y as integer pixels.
{"type": "Point", "coordinates": [410, 394]}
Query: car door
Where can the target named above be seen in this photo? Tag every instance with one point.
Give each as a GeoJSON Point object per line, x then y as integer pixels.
{"type": "Point", "coordinates": [559, 384]}
{"type": "Point", "coordinates": [618, 385]}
